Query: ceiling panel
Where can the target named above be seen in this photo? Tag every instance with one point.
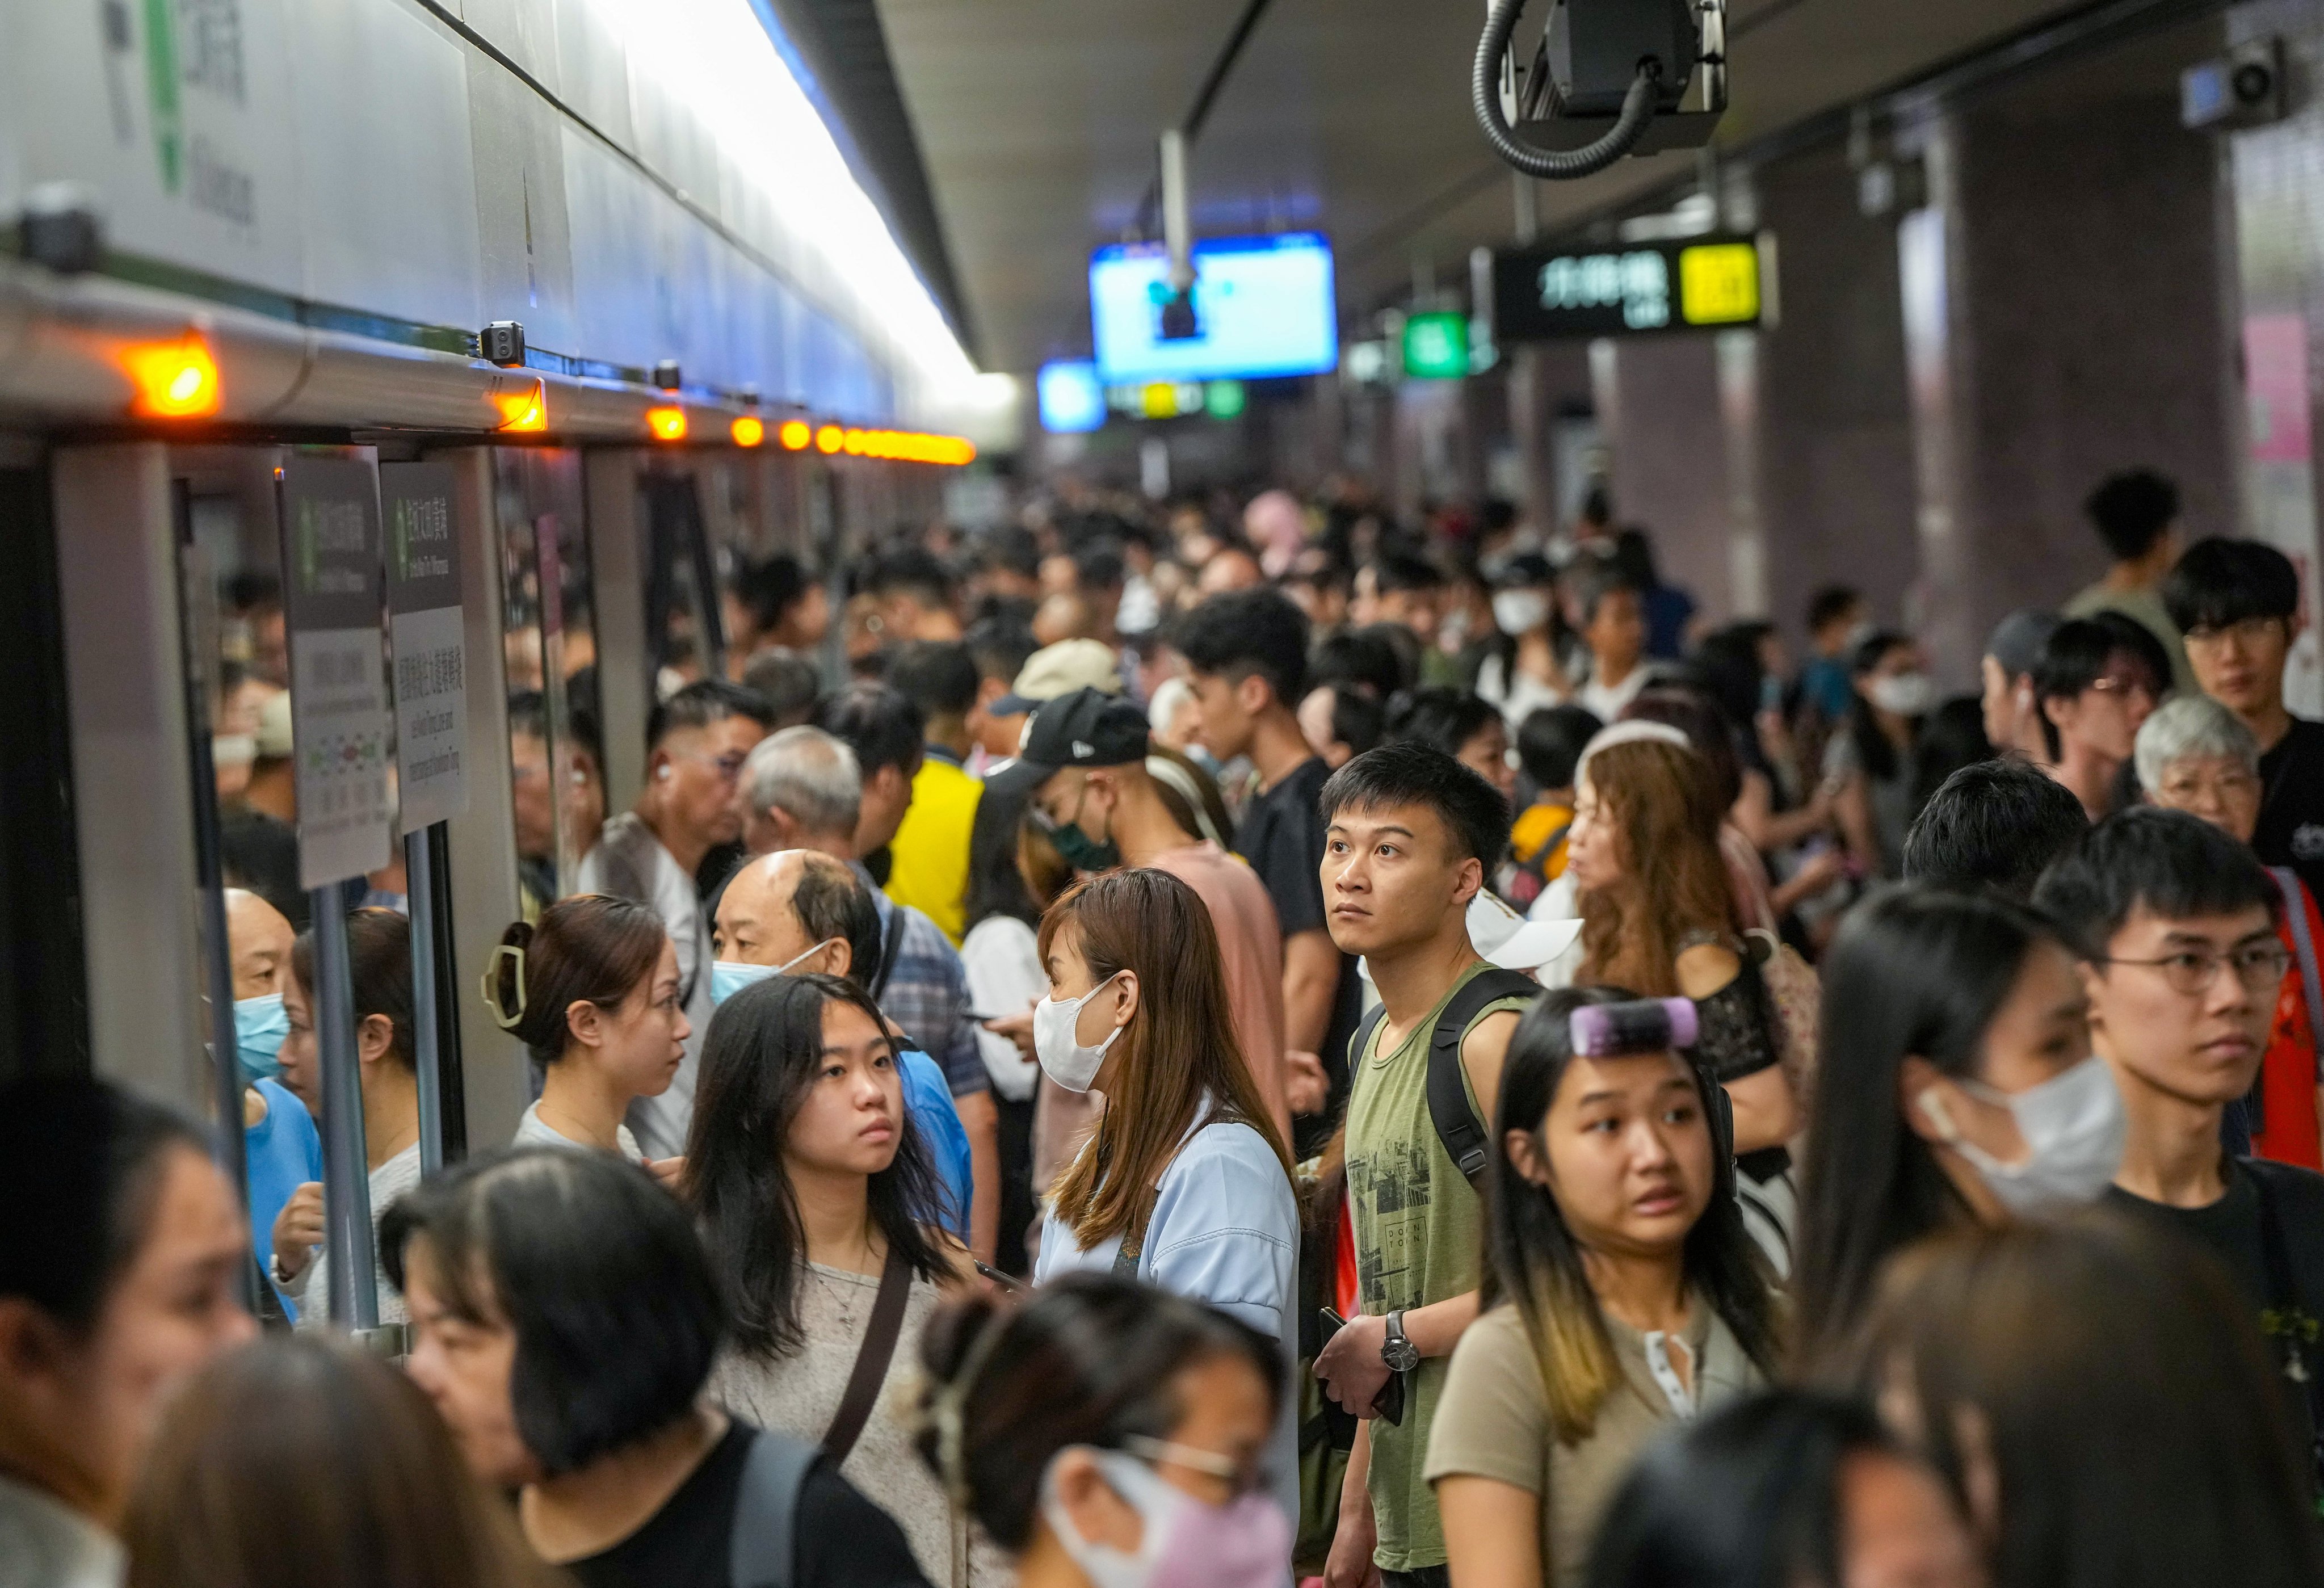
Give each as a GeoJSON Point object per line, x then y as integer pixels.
{"type": "Point", "coordinates": [1037, 121]}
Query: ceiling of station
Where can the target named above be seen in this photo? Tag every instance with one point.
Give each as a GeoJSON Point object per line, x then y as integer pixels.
{"type": "Point", "coordinates": [1037, 121]}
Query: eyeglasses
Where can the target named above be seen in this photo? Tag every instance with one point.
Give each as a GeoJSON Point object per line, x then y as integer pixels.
{"type": "Point", "coordinates": [2259, 967]}
{"type": "Point", "coordinates": [1212, 1463]}
{"type": "Point", "coordinates": [2114, 684]}
{"type": "Point", "coordinates": [2251, 631]}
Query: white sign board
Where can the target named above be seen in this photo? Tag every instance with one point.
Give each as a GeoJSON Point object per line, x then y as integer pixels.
{"type": "Point", "coordinates": [329, 514]}
{"type": "Point", "coordinates": [429, 641]}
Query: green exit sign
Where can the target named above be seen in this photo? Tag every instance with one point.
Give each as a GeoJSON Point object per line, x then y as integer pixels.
{"type": "Point", "coordinates": [1436, 347]}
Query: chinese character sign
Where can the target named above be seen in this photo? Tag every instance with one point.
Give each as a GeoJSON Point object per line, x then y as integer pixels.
{"type": "Point", "coordinates": [328, 508]}
{"type": "Point", "coordinates": [430, 641]}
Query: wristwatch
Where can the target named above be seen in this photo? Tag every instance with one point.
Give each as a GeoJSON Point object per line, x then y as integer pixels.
{"type": "Point", "coordinates": [1398, 1350]}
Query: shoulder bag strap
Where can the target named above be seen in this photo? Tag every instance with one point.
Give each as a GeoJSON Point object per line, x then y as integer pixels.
{"type": "Point", "coordinates": [1457, 1125]}
{"type": "Point", "coordinates": [762, 1551]}
{"type": "Point", "coordinates": [2303, 943]}
{"type": "Point", "coordinates": [872, 1358]}
{"type": "Point", "coordinates": [890, 942]}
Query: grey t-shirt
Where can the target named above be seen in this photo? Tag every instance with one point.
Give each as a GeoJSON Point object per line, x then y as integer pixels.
{"type": "Point", "coordinates": [390, 1180]}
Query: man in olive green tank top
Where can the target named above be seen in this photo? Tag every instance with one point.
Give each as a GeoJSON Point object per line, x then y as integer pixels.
{"type": "Point", "coordinates": [1409, 835]}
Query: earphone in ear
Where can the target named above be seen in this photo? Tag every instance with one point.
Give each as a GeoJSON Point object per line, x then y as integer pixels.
{"type": "Point", "coordinates": [661, 773]}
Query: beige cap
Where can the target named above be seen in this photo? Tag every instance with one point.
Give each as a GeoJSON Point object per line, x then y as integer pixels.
{"type": "Point", "coordinates": [1060, 669]}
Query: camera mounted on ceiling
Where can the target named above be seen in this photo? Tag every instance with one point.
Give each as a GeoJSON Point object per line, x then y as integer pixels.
{"type": "Point", "coordinates": [1608, 78]}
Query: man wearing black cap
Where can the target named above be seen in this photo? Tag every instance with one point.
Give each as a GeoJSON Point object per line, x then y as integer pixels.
{"type": "Point", "coordinates": [2012, 718]}
{"type": "Point", "coordinates": [1099, 806]}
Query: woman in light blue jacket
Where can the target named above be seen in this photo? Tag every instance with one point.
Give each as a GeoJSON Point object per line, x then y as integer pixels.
{"type": "Point", "coordinates": [1186, 1183]}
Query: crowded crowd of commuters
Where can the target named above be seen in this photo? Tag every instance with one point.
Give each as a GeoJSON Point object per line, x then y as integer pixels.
{"type": "Point", "coordinates": [1236, 1048]}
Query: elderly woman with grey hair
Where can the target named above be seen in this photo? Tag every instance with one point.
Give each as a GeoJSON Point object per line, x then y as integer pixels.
{"type": "Point", "coordinates": [2195, 755]}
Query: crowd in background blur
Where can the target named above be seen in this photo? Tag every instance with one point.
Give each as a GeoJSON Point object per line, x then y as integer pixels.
{"type": "Point", "coordinates": [1234, 1041]}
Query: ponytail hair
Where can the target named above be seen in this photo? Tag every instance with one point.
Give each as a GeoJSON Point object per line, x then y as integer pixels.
{"type": "Point", "coordinates": [592, 948]}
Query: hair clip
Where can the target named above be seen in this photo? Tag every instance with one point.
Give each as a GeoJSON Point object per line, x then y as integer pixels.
{"type": "Point", "coordinates": [949, 1412]}
{"type": "Point", "coordinates": [1645, 1025]}
{"type": "Point", "coordinates": [507, 1021]}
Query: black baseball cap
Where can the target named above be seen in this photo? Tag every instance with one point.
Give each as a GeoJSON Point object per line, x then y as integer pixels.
{"type": "Point", "coordinates": [2018, 639]}
{"type": "Point", "coordinates": [1088, 727]}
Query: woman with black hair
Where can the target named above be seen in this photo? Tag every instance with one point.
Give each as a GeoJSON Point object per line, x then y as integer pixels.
{"type": "Point", "coordinates": [565, 1318]}
{"type": "Point", "coordinates": [1958, 1086]}
{"type": "Point", "coordinates": [1622, 1290]}
{"type": "Point", "coordinates": [2094, 1394]}
{"type": "Point", "coordinates": [1106, 1433]}
{"type": "Point", "coordinates": [1467, 727]}
{"type": "Point", "coordinates": [1871, 760]}
{"type": "Point", "coordinates": [804, 1169]}
{"type": "Point", "coordinates": [1789, 1489]}
{"type": "Point", "coordinates": [387, 1072]}
{"type": "Point", "coordinates": [1524, 666]}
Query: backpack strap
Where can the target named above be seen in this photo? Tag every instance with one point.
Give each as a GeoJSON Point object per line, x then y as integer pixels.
{"type": "Point", "coordinates": [762, 1551]}
{"type": "Point", "coordinates": [891, 941]}
{"type": "Point", "coordinates": [1457, 1126]}
{"type": "Point", "coordinates": [1537, 867]}
{"type": "Point", "coordinates": [2303, 943]}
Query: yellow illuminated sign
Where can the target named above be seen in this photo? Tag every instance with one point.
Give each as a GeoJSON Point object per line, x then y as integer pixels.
{"type": "Point", "coordinates": [1719, 284]}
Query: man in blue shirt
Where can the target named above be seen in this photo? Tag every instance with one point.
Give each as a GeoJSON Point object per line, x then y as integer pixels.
{"type": "Point", "coordinates": [797, 911]}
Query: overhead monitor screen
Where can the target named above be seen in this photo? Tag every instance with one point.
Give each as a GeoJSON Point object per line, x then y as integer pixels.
{"type": "Point", "coordinates": [1263, 307]}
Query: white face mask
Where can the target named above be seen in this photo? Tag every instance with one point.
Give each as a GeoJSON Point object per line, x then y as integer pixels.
{"type": "Point", "coordinates": [1905, 694]}
{"type": "Point", "coordinates": [1058, 1047]}
{"type": "Point", "coordinates": [2074, 1128]}
{"type": "Point", "coordinates": [1519, 612]}
{"type": "Point", "coordinates": [1182, 1543]}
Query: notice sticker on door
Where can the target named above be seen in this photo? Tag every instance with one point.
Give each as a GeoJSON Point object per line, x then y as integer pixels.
{"type": "Point", "coordinates": [329, 514]}
{"type": "Point", "coordinates": [430, 640]}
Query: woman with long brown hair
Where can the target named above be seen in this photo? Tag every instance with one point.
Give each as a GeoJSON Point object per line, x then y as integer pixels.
{"type": "Point", "coordinates": [1659, 917]}
{"type": "Point", "coordinates": [1187, 1183]}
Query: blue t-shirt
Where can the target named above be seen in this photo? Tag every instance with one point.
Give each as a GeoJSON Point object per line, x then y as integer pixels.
{"type": "Point", "coordinates": [928, 1099]}
{"type": "Point", "coordinates": [281, 1153]}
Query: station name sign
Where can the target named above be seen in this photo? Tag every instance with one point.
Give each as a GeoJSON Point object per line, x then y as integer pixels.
{"type": "Point", "coordinates": [1716, 284]}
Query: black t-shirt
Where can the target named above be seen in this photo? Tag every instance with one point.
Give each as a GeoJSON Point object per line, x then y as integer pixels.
{"type": "Point", "coordinates": [1282, 838]}
{"type": "Point", "coordinates": [2229, 1230]}
{"type": "Point", "coordinates": [2291, 830]}
{"type": "Point", "coordinates": [845, 1541]}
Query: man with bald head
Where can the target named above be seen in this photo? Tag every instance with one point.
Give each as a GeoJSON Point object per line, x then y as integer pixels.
{"type": "Point", "coordinates": [282, 1150]}
{"type": "Point", "coordinates": [798, 910]}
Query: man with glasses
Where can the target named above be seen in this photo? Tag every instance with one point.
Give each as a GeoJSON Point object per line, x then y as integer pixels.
{"type": "Point", "coordinates": [2238, 603]}
{"type": "Point", "coordinates": [2096, 681]}
{"type": "Point", "coordinates": [2175, 924]}
{"type": "Point", "coordinates": [697, 742]}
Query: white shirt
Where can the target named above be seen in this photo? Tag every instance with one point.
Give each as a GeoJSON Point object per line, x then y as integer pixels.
{"type": "Point", "coordinates": [390, 1180]}
{"type": "Point", "coordinates": [630, 862]}
{"type": "Point", "coordinates": [1002, 956]}
{"type": "Point", "coordinates": [1606, 702]}
{"type": "Point", "coordinates": [532, 1131]}
{"type": "Point", "coordinates": [44, 1543]}
{"type": "Point", "coordinates": [1224, 1231]}
{"type": "Point", "coordinates": [1518, 698]}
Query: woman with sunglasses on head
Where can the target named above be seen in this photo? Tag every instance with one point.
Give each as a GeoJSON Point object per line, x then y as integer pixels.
{"type": "Point", "coordinates": [1623, 1291]}
{"type": "Point", "coordinates": [593, 994]}
{"type": "Point", "coordinates": [809, 1179]}
{"type": "Point", "coordinates": [1107, 1435]}
{"type": "Point", "coordinates": [1958, 1087]}
{"type": "Point", "coordinates": [1186, 1183]}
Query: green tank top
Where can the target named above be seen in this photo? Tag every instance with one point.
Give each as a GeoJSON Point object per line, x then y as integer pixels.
{"type": "Point", "coordinates": [1419, 1237]}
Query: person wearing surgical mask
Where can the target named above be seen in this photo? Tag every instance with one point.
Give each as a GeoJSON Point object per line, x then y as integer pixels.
{"type": "Point", "coordinates": [1524, 668]}
{"type": "Point", "coordinates": [2174, 923]}
{"type": "Point", "coordinates": [1870, 761]}
{"type": "Point", "coordinates": [1957, 1085]}
{"type": "Point", "coordinates": [1186, 1181]}
{"type": "Point", "coordinates": [799, 912]}
{"type": "Point", "coordinates": [592, 991]}
{"type": "Point", "coordinates": [282, 1150]}
{"type": "Point", "coordinates": [1107, 1435]}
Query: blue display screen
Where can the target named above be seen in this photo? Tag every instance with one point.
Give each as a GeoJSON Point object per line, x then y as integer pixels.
{"type": "Point", "coordinates": [1073, 398]}
{"type": "Point", "coordinates": [1263, 306]}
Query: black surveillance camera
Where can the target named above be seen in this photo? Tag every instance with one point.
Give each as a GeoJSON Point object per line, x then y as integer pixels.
{"type": "Point", "coordinates": [665, 374]}
{"type": "Point", "coordinates": [1180, 323]}
{"type": "Point", "coordinates": [60, 228]}
{"type": "Point", "coordinates": [1607, 78]}
{"type": "Point", "coordinates": [2242, 88]}
{"type": "Point", "coordinates": [502, 343]}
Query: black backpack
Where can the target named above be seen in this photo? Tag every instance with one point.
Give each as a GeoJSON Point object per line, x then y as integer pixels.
{"type": "Point", "coordinates": [1457, 1125]}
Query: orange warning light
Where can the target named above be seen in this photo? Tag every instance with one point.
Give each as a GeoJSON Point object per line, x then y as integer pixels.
{"type": "Point", "coordinates": [795, 434]}
{"type": "Point", "coordinates": [174, 380]}
{"type": "Point", "coordinates": [747, 431]}
{"type": "Point", "coordinates": [523, 410]}
{"type": "Point", "coordinates": [830, 438]}
{"type": "Point", "coordinates": [669, 424]}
